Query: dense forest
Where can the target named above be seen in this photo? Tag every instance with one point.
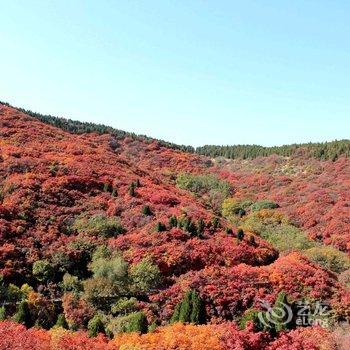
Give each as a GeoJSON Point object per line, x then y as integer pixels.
{"type": "Point", "coordinates": [323, 151]}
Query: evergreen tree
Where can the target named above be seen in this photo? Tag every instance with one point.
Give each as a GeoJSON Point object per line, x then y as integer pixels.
{"type": "Point", "coordinates": [114, 192]}
{"type": "Point", "coordinates": [186, 308]}
{"type": "Point", "coordinates": [240, 234]}
{"type": "Point", "coordinates": [192, 228]}
{"type": "Point", "coordinates": [198, 310]}
{"type": "Point", "coordinates": [160, 227]}
{"type": "Point", "coordinates": [173, 221]}
{"type": "Point", "coordinates": [176, 314]}
{"type": "Point", "coordinates": [146, 210]}
{"type": "Point", "coordinates": [23, 315]}
{"type": "Point", "coordinates": [132, 191]}
{"type": "Point", "coordinates": [190, 310]}
{"type": "Point", "coordinates": [252, 240]}
{"type": "Point", "coordinates": [229, 231]}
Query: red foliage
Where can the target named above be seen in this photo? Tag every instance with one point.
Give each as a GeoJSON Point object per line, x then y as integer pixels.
{"type": "Point", "coordinates": [76, 311]}
{"type": "Point", "coordinates": [49, 177]}
{"type": "Point", "coordinates": [14, 336]}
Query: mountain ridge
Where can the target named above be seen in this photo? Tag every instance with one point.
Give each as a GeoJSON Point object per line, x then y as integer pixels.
{"type": "Point", "coordinates": [320, 150]}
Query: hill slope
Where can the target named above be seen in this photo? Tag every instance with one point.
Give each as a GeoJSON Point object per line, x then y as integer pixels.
{"type": "Point", "coordinates": [93, 220]}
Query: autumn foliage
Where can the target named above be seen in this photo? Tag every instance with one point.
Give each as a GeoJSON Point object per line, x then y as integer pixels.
{"type": "Point", "coordinates": [119, 229]}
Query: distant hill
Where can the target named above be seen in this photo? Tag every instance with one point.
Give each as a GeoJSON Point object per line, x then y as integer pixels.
{"type": "Point", "coordinates": [321, 150]}
{"type": "Point", "coordinates": [78, 127]}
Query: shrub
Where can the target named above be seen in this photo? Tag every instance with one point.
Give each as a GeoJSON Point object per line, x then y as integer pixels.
{"type": "Point", "coordinates": [100, 292]}
{"type": "Point", "coordinates": [77, 311]}
{"type": "Point", "coordinates": [95, 326]}
{"type": "Point", "coordinates": [251, 315]}
{"type": "Point", "coordinates": [264, 204]}
{"type": "Point", "coordinates": [202, 184]}
{"type": "Point", "coordinates": [330, 258]}
{"type": "Point", "coordinates": [71, 283]}
{"type": "Point", "coordinates": [113, 268]}
{"type": "Point", "coordinates": [275, 228]}
{"type": "Point", "coordinates": [42, 270]}
{"type": "Point", "coordinates": [14, 293]}
{"type": "Point", "coordinates": [99, 225]}
{"type": "Point", "coordinates": [134, 322]}
{"type": "Point", "coordinates": [145, 276]}
{"type": "Point", "coordinates": [232, 208]}
{"type": "Point", "coordinates": [286, 238]}
{"type": "Point", "coordinates": [2, 313]}
{"type": "Point", "coordinates": [124, 306]}
{"type": "Point", "coordinates": [344, 278]}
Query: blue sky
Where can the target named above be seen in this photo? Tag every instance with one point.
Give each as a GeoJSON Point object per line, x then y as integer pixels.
{"type": "Point", "coordinates": [191, 72]}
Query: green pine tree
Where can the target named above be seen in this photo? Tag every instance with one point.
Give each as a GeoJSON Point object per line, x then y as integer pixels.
{"type": "Point", "coordinates": [146, 210]}
{"type": "Point", "coordinates": [173, 221]}
{"type": "Point", "coordinates": [186, 308]}
{"type": "Point", "coordinates": [160, 227]}
{"type": "Point", "coordinates": [23, 315]}
{"type": "Point", "coordinates": [240, 234]}
{"type": "Point", "coordinates": [229, 231]}
{"type": "Point", "coordinates": [176, 314]}
{"type": "Point", "coordinates": [198, 310]}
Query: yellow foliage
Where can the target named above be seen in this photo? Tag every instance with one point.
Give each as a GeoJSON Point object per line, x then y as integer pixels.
{"type": "Point", "coordinates": [177, 336]}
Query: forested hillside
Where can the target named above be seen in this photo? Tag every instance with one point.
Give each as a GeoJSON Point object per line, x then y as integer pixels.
{"type": "Point", "coordinates": [114, 241]}
{"type": "Point", "coordinates": [323, 151]}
